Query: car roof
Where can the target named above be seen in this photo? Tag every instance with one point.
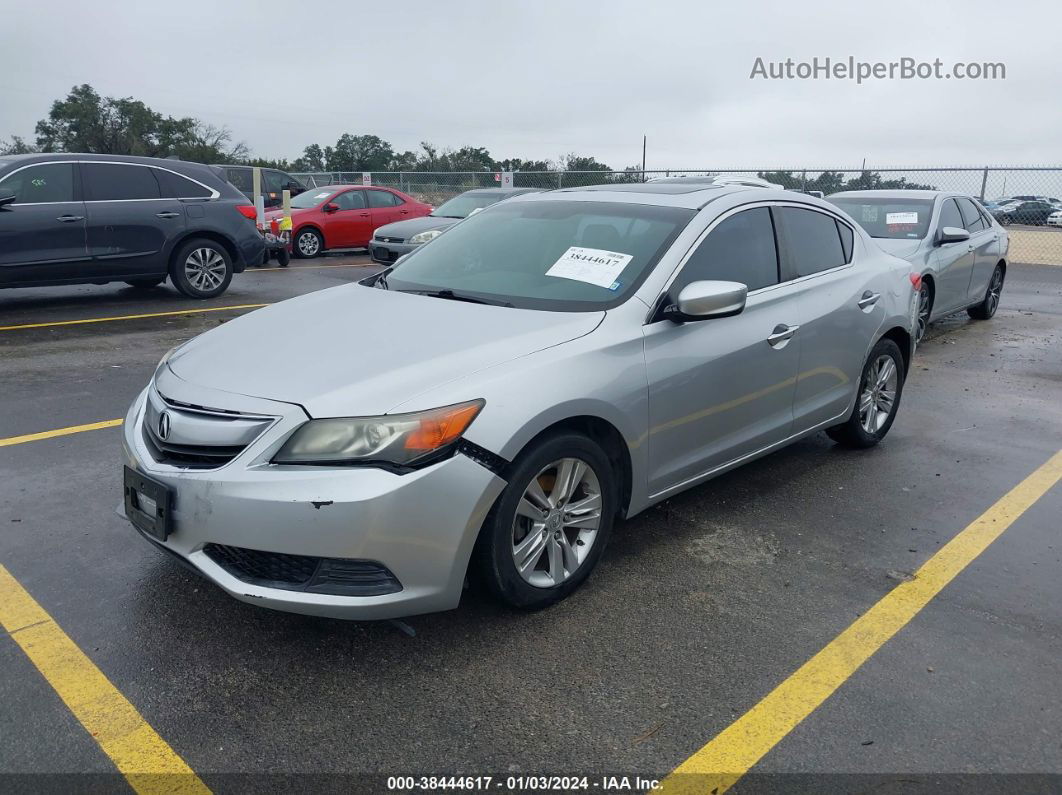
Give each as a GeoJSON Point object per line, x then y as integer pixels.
{"type": "Point", "coordinates": [895, 194]}
{"type": "Point", "coordinates": [499, 191]}
{"type": "Point", "coordinates": [668, 194]}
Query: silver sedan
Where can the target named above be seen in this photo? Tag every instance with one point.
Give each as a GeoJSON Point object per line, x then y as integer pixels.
{"type": "Point", "coordinates": [551, 364]}
{"type": "Point", "coordinates": [951, 241]}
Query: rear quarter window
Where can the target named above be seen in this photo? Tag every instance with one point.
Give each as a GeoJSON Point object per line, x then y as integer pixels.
{"type": "Point", "coordinates": [176, 186]}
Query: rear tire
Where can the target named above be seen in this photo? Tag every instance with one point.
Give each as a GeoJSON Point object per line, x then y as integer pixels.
{"type": "Point", "coordinates": [555, 517]}
{"type": "Point", "coordinates": [307, 244]}
{"type": "Point", "coordinates": [877, 400]}
{"type": "Point", "coordinates": [283, 257]}
{"type": "Point", "coordinates": [925, 309]}
{"type": "Point", "coordinates": [201, 269]}
{"type": "Point", "coordinates": [990, 303]}
{"type": "Point", "coordinates": [145, 284]}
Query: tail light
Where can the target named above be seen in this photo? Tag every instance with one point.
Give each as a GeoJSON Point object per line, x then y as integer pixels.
{"type": "Point", "coordinates": [248, 211]}
{"type": "Point", "coordinates": [916, 280]}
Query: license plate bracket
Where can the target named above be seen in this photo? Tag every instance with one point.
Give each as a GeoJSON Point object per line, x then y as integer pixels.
{"type": "Point", "coordinates": [148, 503]}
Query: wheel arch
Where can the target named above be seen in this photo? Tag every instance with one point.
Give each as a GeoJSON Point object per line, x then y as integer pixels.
{"type": "Point", "coordinates": [206, 234]}
{"type": "Point", "coordinates": [310, 225]}
{"type": "Point", "coordinates": [902, 338]}
{"type": "Point", "coordinates": [608, 437]}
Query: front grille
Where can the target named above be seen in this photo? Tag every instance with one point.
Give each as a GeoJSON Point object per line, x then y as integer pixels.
{"type": "Point", "coordinates": [390, 239]}
{"type": "Point", "coordinates": [187, 455]}
{"type": "Point", "coordinates": [337, 576]}
{"type": "Point", "coordinates": [197, 437]}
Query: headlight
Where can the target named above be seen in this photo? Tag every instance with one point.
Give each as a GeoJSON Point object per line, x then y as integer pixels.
{"type": "Point", "coordinates": [424, 237]}
{"type": "Point", "coordinates": [398, 439]}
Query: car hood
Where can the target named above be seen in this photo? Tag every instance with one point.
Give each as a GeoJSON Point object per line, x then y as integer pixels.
{"type": "Point", "coordinates": [357, 351]}
{"type": "Point", "coordinates": [406, 229]}
{"type": "Point", "coordinates": [905, 249]}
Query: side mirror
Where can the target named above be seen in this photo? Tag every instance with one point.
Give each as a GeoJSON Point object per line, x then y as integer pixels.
{"type": "Point", "coordinates": [331, 207]}
{"type": "Point", "coordinates": [951, 234]}
{"type": "Point", "coordinates": [704, 300]}
{"type": "Point", "coordinates": [7, 199]}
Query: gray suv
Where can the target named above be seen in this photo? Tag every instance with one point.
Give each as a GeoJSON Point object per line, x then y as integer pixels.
{"type": "Point", "coordinates": [80, 218]}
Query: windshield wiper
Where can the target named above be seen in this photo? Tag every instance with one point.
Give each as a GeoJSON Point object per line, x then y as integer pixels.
{"type": "Point", "coordinates": [452, 296]}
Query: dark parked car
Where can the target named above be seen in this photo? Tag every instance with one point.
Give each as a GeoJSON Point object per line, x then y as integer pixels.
{"type": "Point", "coordinates": [1026, 212]}
{"type": "Point", "coordinates": [77, 219]}
{"type": "Point", "coordinates": [274, 182]}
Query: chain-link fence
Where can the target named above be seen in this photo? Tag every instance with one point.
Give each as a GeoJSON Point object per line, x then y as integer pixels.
{"type": "Point", "coordinates": [1027, 200]}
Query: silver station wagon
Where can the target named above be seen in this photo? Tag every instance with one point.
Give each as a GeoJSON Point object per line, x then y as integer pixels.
{"type": "Point", "coordinates": [487, 408]}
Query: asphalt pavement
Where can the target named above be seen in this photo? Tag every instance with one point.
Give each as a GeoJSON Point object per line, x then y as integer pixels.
{"type": "Point", "coordinates": [698, 609]}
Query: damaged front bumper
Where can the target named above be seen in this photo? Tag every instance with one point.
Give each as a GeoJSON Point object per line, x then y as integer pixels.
{"type": "Point", "coordinates": [303, 538]}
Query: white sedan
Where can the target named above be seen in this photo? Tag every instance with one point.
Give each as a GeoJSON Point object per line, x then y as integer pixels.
{"type": "Point", "coordinates": [1055, 219]}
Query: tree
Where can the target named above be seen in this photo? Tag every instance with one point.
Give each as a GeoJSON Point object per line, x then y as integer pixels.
{"type": "Point", "coordinates": [518, 164]}
{"type": "Point", "coordinates": [86, 122]}
{"type": "Point", "coordinates": [574, 162]}
{"type": "Point", "coordinates": [359, 153]}
{"type": "Point", "coordinates": [313, 159]}
{"type": "Point", "coordinates": [16, 146]}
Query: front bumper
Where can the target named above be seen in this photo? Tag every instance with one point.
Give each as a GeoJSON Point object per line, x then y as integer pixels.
{"type": "Point", "coordinates": [421, 526]}
{"type": "Point", "coordinates": [387, 253]}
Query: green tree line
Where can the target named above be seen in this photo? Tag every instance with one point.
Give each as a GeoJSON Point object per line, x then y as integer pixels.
{"type": "Point", "coordinates": [84, 121]}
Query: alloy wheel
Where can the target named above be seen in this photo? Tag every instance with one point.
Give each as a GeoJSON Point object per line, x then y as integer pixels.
{"type": "Point", "coordinates": [923, 311]}
{"type": "Point", "coordinates": [309, 245]}
{"type": "Point", "coordinates": [878, 397]}
{"type": "Point", "coordinates": [205, 269]}
{"type": "Point", "coordinates": [556, 523]}
{"type": "Point", "coordinates": [995, 289]}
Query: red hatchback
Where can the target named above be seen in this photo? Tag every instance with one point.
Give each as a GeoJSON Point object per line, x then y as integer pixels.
{"type": "Point", "coordinates": [345, 216]}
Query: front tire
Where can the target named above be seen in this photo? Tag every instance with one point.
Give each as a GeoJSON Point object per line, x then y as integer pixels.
{"type": "Point", "coordinates": [201, 269]}
{"type": "Point", "coordinates": [308, 244]}
{"type": "Point", "coordinates": [988, 306]}
{"type": "Point", "coordinates": [878, 399]}
{"type": "Point", "coordinates": [548, 529]}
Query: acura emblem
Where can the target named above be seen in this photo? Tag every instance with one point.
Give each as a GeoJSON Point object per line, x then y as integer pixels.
{"type": "Point", "coordinates": [164, 425]}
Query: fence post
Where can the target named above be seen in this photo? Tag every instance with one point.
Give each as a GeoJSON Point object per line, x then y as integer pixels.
{"type": "Point", "coordinates": [560, 179]}
{"type": "Point", "coordinates": [804, 181]}
{"type": "Point", "coordinates": [984, 183]}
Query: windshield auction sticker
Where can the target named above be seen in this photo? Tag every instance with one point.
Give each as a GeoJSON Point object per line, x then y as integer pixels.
{"type": "Point", "coordinates": [590, 265]}
{"type": "Point", "coordinates": [901, 218]}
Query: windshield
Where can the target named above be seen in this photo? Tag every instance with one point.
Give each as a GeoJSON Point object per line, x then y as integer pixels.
{"type": "Point", "coordinates": [310, 198]}
{"type": "Point", "coordinates": [463, 205]}
{"type": "Point", "coordinates": [559, 255]}
{"type": "Point", "coordinates": [890, 218]}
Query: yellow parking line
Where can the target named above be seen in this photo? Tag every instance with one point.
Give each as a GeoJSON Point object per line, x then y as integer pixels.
{"type": "Point", "coordinates": [311, 267]}
{"type": "Point", "coordinates": [720, 763]}
{"type": "Point", "coordinates": [140, 754]}
{"type": "Point", "coordinates": [36, 437]}
{"type": "Point", "coordinates": [133, 317]}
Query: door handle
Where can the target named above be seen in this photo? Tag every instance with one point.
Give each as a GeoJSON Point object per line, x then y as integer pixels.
{"type": "Point", "coordinates": [868, 299]}
{"type": "Point", "coordinates": [781, 335]}
{"type": "Point", "coordinates": [364, 215]}
{"type": "Point", "coordinates": [69, 219]}
{"type": "Point", "coordinates": [167, 214]}
{"type": "Point", "coordinates": [403, 212]}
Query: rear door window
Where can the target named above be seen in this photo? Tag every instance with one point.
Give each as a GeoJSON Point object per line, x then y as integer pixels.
{"type": "Point", "coordinates": [740, 249]}
{"type": "Point", "coordinates": [811, 242]}
{"type": "Point", "coordinates": [382, 198]}
{"type": "Point", "coordinates": [174, 186]}
{"type": "Point", "coordinates": [39, 184]}
{"type": "Point", "coordinates": [119, 182]}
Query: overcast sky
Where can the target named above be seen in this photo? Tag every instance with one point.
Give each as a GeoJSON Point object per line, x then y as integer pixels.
{"type": "Point", "coordinates": [539, 79]}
